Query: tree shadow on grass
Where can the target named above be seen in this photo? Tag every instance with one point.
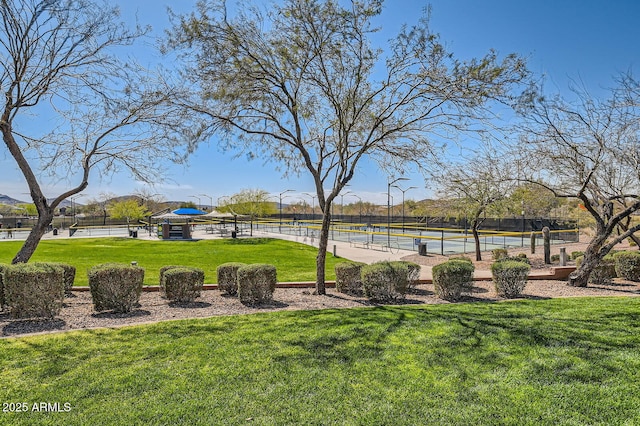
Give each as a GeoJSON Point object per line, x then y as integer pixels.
{"type": "Point", "coordinates": [33, 326]}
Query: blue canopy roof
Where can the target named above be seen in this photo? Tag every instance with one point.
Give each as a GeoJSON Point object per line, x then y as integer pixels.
{"type": "Point", "coordinates": [187, 211]}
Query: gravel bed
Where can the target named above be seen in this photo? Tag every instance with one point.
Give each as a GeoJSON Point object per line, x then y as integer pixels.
{"type": "Point", "coordinates": [77, 312]}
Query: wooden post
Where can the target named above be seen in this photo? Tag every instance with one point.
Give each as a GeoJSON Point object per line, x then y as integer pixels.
{"type": "Point", "coordinates": [546, 235]}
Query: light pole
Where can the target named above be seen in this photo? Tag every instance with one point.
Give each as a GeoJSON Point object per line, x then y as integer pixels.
{"type": "Point", "coordinates": [342, 203]}
{"type": "Point", "coordinates": [522, 204]}
{"type": "Point", "coordinates": [73, 207]}
{"type": "Point", "coordinates": [313, 205]}
{"type": "Point", "coordinates": [210, 200]}
{"type": "Point", "coordinates": [403, 191]}
{"type": "Point", "coordinates": [283, 192]}
{"type": "Point", "coordinates": [389, 183]}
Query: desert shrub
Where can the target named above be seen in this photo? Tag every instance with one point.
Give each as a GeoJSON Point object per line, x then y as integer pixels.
{"type": "Point", "coordinates": [348, 279]}
{"type": "Point", "coordinates": [181, 284]}
{"type": "Point", "coordinates": [413, 272]}
{"type": "Point", "coordinates": [384, 281]}
{"type": "Point", "coordinates": [69, 275]}
{"type": "Point", "coordinates": [463, 258]}
{"type": "Point", "coordinates": [499, 253]}
{"type": "Point", "coordinates": [227, 275]}
{"type": "Point", "coordinates": [604, 272]}
{"type": "Point", "coordinates": [576, 254]}
{"type": "Point", "coordinates": [256, 283]}
{"type": "Point", "coordinates": [115, 286]}
{"type": "Point", "coordinates": [520, 259]}
{"type": "Point", "coordinates": [165, 269]}
{"type": "Point", "coordinates": [2, 266]}
{"type": "Point", "coordinates": [33, 289]}
{"type": "Point", "coordinates": [555, 258]}
{"type": "Point", "coordinates": [510, 277]}
{"type": "Point", "coordinates": [628, 265]}
{"type": "Point", "coordinates": [452, 278]}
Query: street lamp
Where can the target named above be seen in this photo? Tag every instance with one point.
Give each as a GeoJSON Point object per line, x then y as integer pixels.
{"type": "Point", "coordinates": [313, 205]}
{"type": "Point", "coordinates": [522, 204]}
{"type": "Point", "coordinates": [283, 192]}
{"type": "Point", "coordinates": [389, 183]}
{"type": "Point", "coordinates": [403, 191]}
{"type": "Point", "coordinates": [210, 200]}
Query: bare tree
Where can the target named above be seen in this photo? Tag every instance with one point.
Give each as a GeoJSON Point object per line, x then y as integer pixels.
{"type": "Point", "coordinates": [588, 149]}
{"type": "Point", "coordinates": [302, 84]}
{"type": "Point", "coordinates": [477, 185]}
{"type": "Point", "coordinates": [71, 106]}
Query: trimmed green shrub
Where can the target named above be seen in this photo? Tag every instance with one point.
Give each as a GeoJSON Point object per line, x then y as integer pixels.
{"type": "Point", "coordinates": [348, 277]}
{"type": "Point", "coordinates": [181, 284]}
{"type": "Point", "coordinates": [604, 272]}
{"type": "Point", "coordinates": [227, 275]}
{"type": "Point", "coordinates": [69, 275]}
{"type": "Point", "coordinates": [256, 283]}
{"type": "Point", "coordinates": [33, 289]}
{"type": "Point", "coordinates": [385, 281]}
{"type": "Point", "coordinates": [2, 303]}
{"type": "Point", "coordinates": [510, 277]}
{"type": "Point", "coordinates": [115, 286]}
{"type": "Point", "coordinates": [452, 278]}
{"type": "Point", "coordinates": [520, 259]}
{"type": "Point", "coordinates": [413, 273]}
{"type": "Point", "coordinates": [499, 253]}
{"type": "Point", "coordinates": [464, 258]}
{"type": "Point", "coordinates": [628, 265]}
{"type": "Point", "coordinates": [576, 254]}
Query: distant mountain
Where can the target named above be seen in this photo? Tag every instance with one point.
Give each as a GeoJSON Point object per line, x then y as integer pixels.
{"type": "Point", "coordinates": [5, 199]}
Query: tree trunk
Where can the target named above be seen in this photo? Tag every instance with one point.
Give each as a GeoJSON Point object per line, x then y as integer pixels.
{"type": "Point", "coordinates": [31, 244]}
{"type": "Point", "coordinates": [592, 256]}
{"type": "Point", "coordinates": [321, 258]}
{"type": "Point", "coordinates": [476, 238]}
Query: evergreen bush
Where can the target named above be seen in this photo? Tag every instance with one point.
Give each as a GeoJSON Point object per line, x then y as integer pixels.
{"type": "Point", "coordinates": [499, 253]}
{"type": "Point", "coordinates": [181, 284]}
{"type": "Point", "coordinates": [510, 277]}
{"type": "Point", "coordinates": [452, 278]}
{"type": "Point", "coordinates": [385, 281]}
{"type": "Point", "coordinates": [115, 286]}
{"type": "Point", "coordinates": [69, 275]}
{"type": "Point", "coordinates": [628, 265]}
{"type": "Point", "coordinates": [2, 302]}
{"type": "Point", "coordinates": [33, 289]}
{"type": "Point", "coordinates": [348, 277]}
{"type": "Point", "coordinates": [227, 277]}
{"type": "Point", "coordinates": [256, 283]}
{"type": "Point", "coordinates": [604, 272]}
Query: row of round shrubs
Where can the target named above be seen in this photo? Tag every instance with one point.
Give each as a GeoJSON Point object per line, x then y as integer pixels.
{"type": "Point", "coordinates": [454, 277]}
{"type": "Point", "coordinates": [622, 264]}
{"type": "Point", "coordinates": [381, 281]}
{"type": "Point", "coordinates": [38, 289]}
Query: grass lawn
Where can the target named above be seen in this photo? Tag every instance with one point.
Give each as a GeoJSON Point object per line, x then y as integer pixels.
{"type": "Point", "coordinates": [539, 362]}
{"type": "Point", "coordinates": [294, 261]}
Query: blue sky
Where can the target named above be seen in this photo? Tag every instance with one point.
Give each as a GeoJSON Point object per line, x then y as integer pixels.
{"type": "Point", "coordinates": [585, 40]}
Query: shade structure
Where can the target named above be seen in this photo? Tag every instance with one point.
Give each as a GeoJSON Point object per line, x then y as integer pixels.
{"type": "Point", "coordinates": [188, 211]}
